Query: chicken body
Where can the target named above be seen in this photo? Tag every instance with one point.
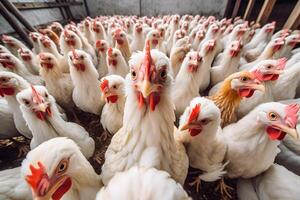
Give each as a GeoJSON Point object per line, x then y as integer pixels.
{"type": "Point", "coordinates": [10, 85]}
{"type": "Point", "coordinates": [275, 183]}
{"type": "Point", "coordinates": [86, 93]}
{"type": "Point", "coordinates": [116, 62]}
{"type": "Point", "coordinates": [148, 122]}
{"type": "Point", "coordinates": [267, 125]}
{"type": "Point", "coordinates": [58, 84]}
{"type": "Point", "coordinates": [190, 73]}
{"type": "Point", "coordinates": [113, 89]}
{"type": "Point", "coordinates": [7, 127]}
{"type": "Point", "coordinates": [150, 184]}
{"type": "Point", "coordinates": [200, 131]}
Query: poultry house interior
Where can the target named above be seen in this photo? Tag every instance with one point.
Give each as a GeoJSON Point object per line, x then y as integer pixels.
{"type": "Point", "coordinates": [131, 99]}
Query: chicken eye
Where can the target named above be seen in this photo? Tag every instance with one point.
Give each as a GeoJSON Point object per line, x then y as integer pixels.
{"type": "Point", "coordinates": [273, 116]}
{"type": "Point", "coordinates": [269, 67]}
{"type": "Point", "coordinates": [46, 95]}
{"type": "Point", "coordinates": [244, 78]}
{"type": "Point", "coordinates": [115, 86]}
{"type": "Point", "coordinates": [70, 57]}
{"type": "Point", "coordinates": [26, 102]}
{"type": "Point", "coordinates": [72, 36]}
{"type": "Point", "coordinates": [49, 59]}
{"type": "Point", "coordinates": [81, 57]}
{"type": "Point", "coordinates": [6, 57]}
{"type": "Point", "coordinates": [115, 55]}
{"type": "Point", "coordinates": [3, 79]}
{"type": "Point", "coordinates": [205, 121]}
{"type": "Point", "coordinates": [163, 74]}
{"type": "Point", "coordinates": [62, 167]}
{"type": "Point", "coordinates": [133, 74]}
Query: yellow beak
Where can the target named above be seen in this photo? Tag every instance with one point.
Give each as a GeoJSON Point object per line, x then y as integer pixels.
{"type": "Point", "coordinates": [146, 88]}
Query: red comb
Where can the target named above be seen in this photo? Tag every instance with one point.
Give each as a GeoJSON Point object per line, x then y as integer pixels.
{"type": "Point", "coordinates": [118, 31]}
{"type": "Point", "coordinates": [281, 63]}
{"type": "Point", "coordinates": [109, 51]}
{"type": "Point", "coordinates": [74, 53]}
{"type": "Point", "coordinates": [36, 175]}
{"type": "Point", "coordinates": [42, 56]}
{"type": "Point", "coordinates": [147, 59]}
{"type": "Point", "coordinates": [195, 113]}
{"type": "Point", "coordinates": [291, 117]}
{"type": "Point", "coordinates": [36, 96]}
{"type": "Point", "coordinates": [104, 85]}
{"type": "Point", "coordinates": [66, 33]}
{"type": "Point", "coordinates": [98, 43]}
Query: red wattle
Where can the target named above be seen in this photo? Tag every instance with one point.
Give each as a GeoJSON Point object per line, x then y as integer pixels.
{"type": "Point", "coordinates": [112, 99]}
{"type": "Point", "coordinates": [154, 100]}
{"type": "Point", "coordinates": [245, 92]}
{"type": "Point", "coordinates": [65, 187]}
{"type": "Point", "coordinates": [275, 134]}
{"type": "Point", "coordinates": [194, 132]}
{"type": "Point", "coordinates": [7, 91]}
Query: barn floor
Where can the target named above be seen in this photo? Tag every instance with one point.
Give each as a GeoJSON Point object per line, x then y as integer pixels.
{"type": "Point", "coordinates": [9, 158]}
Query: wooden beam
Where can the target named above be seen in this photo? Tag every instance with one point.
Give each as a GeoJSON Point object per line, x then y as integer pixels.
{"type": "Point", "coordinates": [294, 19]}
{"type": "Point", "coordinates": [249, 9]}
{"type": "Point", "coordinates": [236, 8]}
{"type": "Point", "coordinates": [265, 11]}
{"type": "Point", "coordinates": [43, 5]}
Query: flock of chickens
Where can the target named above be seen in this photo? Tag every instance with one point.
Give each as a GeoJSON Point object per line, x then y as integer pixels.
{"type": "Point", "coordinates": [141, 76]}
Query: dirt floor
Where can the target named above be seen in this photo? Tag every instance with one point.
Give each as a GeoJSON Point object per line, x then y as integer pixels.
{"type": "Point", "coordinates": [9, 158]}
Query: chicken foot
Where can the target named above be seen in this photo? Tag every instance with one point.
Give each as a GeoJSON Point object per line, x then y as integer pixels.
{"type": "Point", "coordinates": [224, 189]}
{"type": "Point", "coordinates": [197, 183]}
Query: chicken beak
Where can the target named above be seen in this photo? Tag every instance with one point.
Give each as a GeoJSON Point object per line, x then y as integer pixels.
{"type": "Point", "coordinates": [146, 88]}
{"type": "Point", "coordinates": [42, 107]}
{"type": "Point", "coordinates": [259, 87]}
{"type": "Point", "coordinates": [291, 131]}
{"type": "Point", "coordinates": [191, 125]}
{"type": "Point", "coordinates": [184, 127]}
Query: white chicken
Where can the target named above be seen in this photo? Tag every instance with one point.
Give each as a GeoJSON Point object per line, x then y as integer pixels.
{"type": "Point", "coordinates": [86, 93]}
{"type": "Point", "coordinates": [146, 138]}
{"type": "Point", "coordinates": [34, 37]}
{"type": "Point", "coordinates": [29, 60]}
{"type": "Point", "coordinates": [149, 184]}
{"type": "Point", "coordinates": [47, 45]}
{"type": "Point", "coordinates": [102, 47]}
{"type": "Point", "coordinates": [13, 64]}
{"type": "Point", "coordinates": [57, 83]}
{"type": "Point", "coordinates": [13, 44]}
{"type": "Point", "coordinates": [190, 74]}
{"type": "Point", "coordinates": [45, 122]}
{"type": "Point", "coordinates": [275, 183]}
{"type": "Point", "coordinates": [200, 132]}
{"type": "Point", "coordinates": [156, 41]}
{"type": "Point", "coordinates": [228, 64]}
{"type": "Point", "coordinates": [122, 43]}
{"type": "Point", "coordinates": [7, 127]}
{"type": "Point", "coordinates": [62, 173]}
{"type": "Point", "coordinates": [137, 43]}
{"type": "Point", "coordinates": [266, 125]}
{"type": "Point", "coordinates": [98, 30]}
{"type": "Point", "coordinates": [116, 62]}
{"type": "Point", "coordinates": [113, 90]}
{"type": "Point", "coordinates": [268, 72]}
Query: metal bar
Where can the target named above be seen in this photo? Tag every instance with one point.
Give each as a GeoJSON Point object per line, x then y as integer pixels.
{"type": "Point", "coordinates": [14, 24]}
{"type": "Point", "coordinates": [86, 8]}
{"type": "Point", "coordinates": [236, 8]}
{"type": "Point", "coordinates": [265, 11]}
{"type": "Point", "coordinates": [44, 5]}
{"type": "Point", "coordinates": [228, 8]}
{"type": "Point", "coordinates": [61, 10]}
{"type": "Point", "coordinates": [294, 18]}
{"type": "Point", "coordinates": [249, 9]}
{"type": "Point", "coordinates": [11, 8]}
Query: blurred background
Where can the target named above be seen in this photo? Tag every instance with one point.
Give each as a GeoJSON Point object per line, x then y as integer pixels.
{"type": "Point", "coordinates": [43, 12]}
